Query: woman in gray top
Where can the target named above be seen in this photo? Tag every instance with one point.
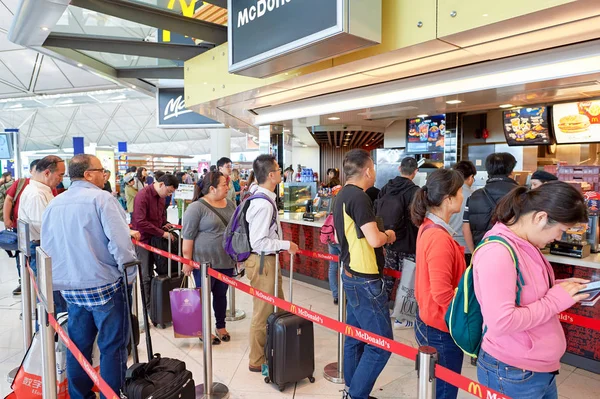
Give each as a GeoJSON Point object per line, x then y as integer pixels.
{"type": "Point", "coordinates": [204, 223]}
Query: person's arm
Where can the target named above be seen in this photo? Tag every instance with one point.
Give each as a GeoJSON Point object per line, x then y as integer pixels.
{"type": "Point", "coordinates": [7, 212]}
{"type": "Point", "coordinates": [189, 232]}
{"type": "Point", "coordinates": [496, 278]}
{"type": "Point", "coordinates": [35, 210]}
{"type": "Point", "coordinates": [377, 238]}
{"type": "Point", "coordinates": [140, 221]}
{"type": "Point", "coordinates": [439, 259]}
{"type": "Point", "coordinates": [118, 233]}
{"type": "Point", "coordinates": [468, 236]}
{"type": "Point", "coordinates": [259, 222]}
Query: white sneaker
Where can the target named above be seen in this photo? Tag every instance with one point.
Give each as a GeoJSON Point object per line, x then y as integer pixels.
{"type": "Point", "coordinates": [403, 324]}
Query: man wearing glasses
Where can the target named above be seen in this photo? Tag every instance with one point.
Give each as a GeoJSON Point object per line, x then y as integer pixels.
{"type": "Point", "coordinates": [85, 233]}
{"type": "Point", "coordinates": [34, 201]}
{"type": "Point", "coordinates": [225, 166]}
{"type": "Point", "coordinates": [264, 232]}
{"type": "Point", "coordinates": [150, 219]}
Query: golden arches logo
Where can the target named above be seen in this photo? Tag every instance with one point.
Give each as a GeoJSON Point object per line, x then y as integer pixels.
{"type": "Point", "coordinates": [251, 291]}
{"type": "Point", "coordinates": [293, 308]}
{"type": "Point", "coordinates": [349, 331]}
{"type": "Point", "coordinates": [219, 276]}
{"type": "Point", "coordinates": [475, 389]}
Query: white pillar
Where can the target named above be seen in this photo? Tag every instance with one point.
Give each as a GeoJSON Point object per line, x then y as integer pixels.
{"type": "Point", "coordinates": [264, 139]}
{"type": "Point", "coordinates": [220, 145]}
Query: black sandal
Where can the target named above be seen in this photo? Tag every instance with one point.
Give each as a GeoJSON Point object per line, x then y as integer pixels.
{"type": "Point", "coordinates": [223, 337]}
{"type": "Point", "coordinates": [215, 340]}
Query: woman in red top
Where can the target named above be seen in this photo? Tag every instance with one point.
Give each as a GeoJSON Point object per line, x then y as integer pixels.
{"type": "Point", "coordinates": [440, 265]}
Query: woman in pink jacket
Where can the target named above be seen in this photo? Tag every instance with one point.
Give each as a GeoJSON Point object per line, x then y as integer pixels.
{"type": "Point", "coordinates": [522, 346]}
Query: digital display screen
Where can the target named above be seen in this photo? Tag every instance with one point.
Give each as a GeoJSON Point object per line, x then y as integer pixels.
{"type": "Point", "coordinates": [425, 135]}
{"type": "Point", "coordinates": [527, 126]}
{"type": "Point", "coordinates": [6, 149]}
{"type": "Point", "coordinates": [577, 123]}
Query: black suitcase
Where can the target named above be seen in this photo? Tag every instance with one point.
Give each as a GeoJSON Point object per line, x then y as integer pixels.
{"type": "Point", "coordinates": [160, 302]}
{"type": "Point", "coordinates": [290, 346]}
{"type": "Point", "coordinates": [161, 377]}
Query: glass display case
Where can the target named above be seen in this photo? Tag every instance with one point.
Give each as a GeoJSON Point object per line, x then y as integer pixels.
{"type": "Point", "coordinates": [295, 195]}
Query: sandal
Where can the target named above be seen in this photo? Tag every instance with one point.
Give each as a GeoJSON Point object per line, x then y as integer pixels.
{"type": "Point", "coordinates": [215, 340]}
{"type": "Point", "coordinates": [223, 337]}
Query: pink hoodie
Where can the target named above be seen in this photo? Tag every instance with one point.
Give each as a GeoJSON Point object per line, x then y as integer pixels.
{"type": "Point", "coordinates": [530, 336]}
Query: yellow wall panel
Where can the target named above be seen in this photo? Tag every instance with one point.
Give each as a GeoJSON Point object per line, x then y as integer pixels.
{"type": "Point", "coordinates": [456, 16]}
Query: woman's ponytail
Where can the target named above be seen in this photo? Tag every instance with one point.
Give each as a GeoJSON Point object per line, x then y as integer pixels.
{"type": "Point", "coordinates": [418, 206]}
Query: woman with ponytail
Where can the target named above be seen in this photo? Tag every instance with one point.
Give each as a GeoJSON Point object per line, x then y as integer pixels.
{"type": "Point", "coordinates": [440, 265]}
{"type": "Point", "coordinates": [523, 343]}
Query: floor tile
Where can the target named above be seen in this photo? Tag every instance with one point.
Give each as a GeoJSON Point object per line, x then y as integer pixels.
{"type": "Point", "coordinates": [578, 386]}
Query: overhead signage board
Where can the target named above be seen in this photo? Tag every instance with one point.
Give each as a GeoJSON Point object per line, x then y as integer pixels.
{"type": "Point", "coordinates": [172, 113]}
{"type": "Point", "coordinates": [267, 37]}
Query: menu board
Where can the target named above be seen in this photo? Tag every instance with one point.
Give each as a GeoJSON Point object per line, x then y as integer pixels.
{"type": "Point", "coordinates": [527, 126]}
{"type": "Point", "coordinates": [578, 122]}
{"type": "Point", "coordinates": [425, 135]}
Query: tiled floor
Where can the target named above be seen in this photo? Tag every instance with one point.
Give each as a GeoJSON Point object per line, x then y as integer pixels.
{"type": "Point", "coordinates": [230, 360]}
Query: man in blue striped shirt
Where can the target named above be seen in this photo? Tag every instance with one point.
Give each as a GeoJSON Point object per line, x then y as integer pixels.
{"type": "Point", "coordinates": [85, 232]}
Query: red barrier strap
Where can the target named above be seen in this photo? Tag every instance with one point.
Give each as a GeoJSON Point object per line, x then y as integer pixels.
{"type": "Point", "coordinates": [85, 365]}
{"type": "Point", "coordinates": [462, 382]}
{"type": "Point", "coordinates": [577, 320]}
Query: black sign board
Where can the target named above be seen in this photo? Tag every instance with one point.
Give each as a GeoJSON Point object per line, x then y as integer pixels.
{"type": "Point", "coordinates": [172, 112]}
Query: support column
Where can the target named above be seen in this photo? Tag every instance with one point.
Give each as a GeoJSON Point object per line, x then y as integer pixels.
{"type": "Point", "coordinates": [220, 145]}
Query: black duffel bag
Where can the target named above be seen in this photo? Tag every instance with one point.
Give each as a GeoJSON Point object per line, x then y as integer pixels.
{"type": "Point", "coordinates": [161, 262]}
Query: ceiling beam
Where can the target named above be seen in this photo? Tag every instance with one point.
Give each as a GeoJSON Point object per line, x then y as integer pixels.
{"type": "Point", "coordinates": [157, 17]}
{"type": "Point", "coordinates": [151, 73]}
{"type": "Point", "coordinates": [105, 44]}
{"type": "Point", "coordinates": [66, 133]}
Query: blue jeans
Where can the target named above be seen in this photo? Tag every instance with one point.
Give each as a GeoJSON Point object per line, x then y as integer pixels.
{"type": "Point", "coordinates": [334, 249]}
{"type": "Point", "coordinates": [110, 322]}
{"type": "Point", "coordinates": [513, 382]}
{"type": "Point", "coordinates": [366, 308]}
{"type": "Point", "coordinates": [218, 290]}
{"type": "Point", "coordinates": [449, 355]}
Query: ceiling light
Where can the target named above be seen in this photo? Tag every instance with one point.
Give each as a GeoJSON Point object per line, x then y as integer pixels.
{"type": "Point", "coordinates": [79, 64]}
{"type": "Point", "coordinates": [506, 106]}
{"type": "Point", "coordinates": [485, 15]}
{"type": "Point", "coordinates": [452, 102]}
{"type": "Point", "coordinates": [45, 29]}
{"type": "Point", "coordinates": [133, 86]}
{"type": "Point", "coordinates": [304, 145]}
{"type": "Point", "coordinates": [422, 116]}
{"type": "Point", "coordinates": [334, 118]}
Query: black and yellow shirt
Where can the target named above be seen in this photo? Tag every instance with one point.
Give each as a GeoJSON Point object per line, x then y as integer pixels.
{"type": "Point", "coordinates": [352, 209]}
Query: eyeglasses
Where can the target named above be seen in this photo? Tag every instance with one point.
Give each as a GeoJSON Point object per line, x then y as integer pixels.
{"type": "Point", "coordinates": [277, 170]}
{"type": "Point", "coordinates": [95, 170]}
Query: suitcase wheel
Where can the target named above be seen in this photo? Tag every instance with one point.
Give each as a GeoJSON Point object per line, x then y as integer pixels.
{"type": "Point", "coordinates": [311, 379]}
{"type": "Point", "coordinates": [281, 387]}
{"type": "Point", "coordinates": [267, 380]}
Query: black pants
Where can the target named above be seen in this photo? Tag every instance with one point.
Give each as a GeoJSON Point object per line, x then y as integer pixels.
{"type": "Point", "coordinates": [219, 295]}
{"type": "Point", "coordinates": [147, 266]}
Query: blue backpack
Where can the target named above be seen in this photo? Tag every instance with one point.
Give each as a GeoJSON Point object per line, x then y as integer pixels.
{"type": "Point", "coordinates": [236, 240]}
{"type": "Point", "coordinates": [464, 318]}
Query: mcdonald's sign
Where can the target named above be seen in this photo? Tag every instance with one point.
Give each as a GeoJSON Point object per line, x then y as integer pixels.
{"type": "Point", "coordinates": [349, 331]}
{"type": "Point", "coordinates": [293, 308]}
{"type": "Point", "coordinates": [475, 389]}
{"type": "Point", "coordinates": [251, 291]}
{"type": "Point", "coordinates": [219, 277]}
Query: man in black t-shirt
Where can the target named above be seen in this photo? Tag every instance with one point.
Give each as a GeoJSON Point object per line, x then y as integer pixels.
{"type": "Point", "coordinates": [361, 242]}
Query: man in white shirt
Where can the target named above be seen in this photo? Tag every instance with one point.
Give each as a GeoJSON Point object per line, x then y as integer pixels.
{"type": "Point", "coordinates": [225, 166]}
{"type": "Point", "coordinates": [265, 239]}
{"type": "Point", "coordinates": [34, 200]}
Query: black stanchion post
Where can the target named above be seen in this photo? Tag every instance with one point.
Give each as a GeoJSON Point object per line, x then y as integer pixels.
{"type": "Point", "coordinates": [208, 389]}
{"type": "Point", "coordinates": [425, 366]}
{"type": "Point", "coordinates": [334, 372]}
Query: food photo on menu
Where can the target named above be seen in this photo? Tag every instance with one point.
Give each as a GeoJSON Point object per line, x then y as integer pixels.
{"type": "Point", "coordinates": [426, 134]}
{"type": "Point", "coordinates": [577, 122]}
{"type": "Point", "coordinates": [527, 126]}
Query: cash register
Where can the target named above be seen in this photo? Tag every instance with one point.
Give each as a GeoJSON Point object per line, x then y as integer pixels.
{"type": "Point", "coordinates": [573, 243]}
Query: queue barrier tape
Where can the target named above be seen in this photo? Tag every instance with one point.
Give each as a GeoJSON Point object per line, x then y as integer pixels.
{"type": "Point", "coordinates": [85, 365]}
{"type": "Point", "coordinates": [335, 258]}
{"type": "Point", "coordinates": [386, 344]}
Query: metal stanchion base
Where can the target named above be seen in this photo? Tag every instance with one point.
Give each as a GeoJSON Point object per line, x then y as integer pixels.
{"type": "Point", "coordinates": [332, 374]}
{"type": "Point", "coordinates": [219, 391]}
{"type": "Point", "coordinates": [10, 377]}
{"type": "Point", "coordinates": [239, 315]}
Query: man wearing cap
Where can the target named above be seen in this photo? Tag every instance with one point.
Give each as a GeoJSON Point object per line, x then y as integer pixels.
{"type": "Point", "coordinates": [540, 177]}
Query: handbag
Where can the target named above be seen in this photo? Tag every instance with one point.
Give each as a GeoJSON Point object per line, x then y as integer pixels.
{"type": "Point", "coordinates": [186, 311]}
{"type": "Point", "coordinates": [405, 306]}
{"type": "Point", "coordinates": [9, 240]}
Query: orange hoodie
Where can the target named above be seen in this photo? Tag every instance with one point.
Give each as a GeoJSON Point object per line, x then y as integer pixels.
{"type": "Point", "coordinates": [440, 265]}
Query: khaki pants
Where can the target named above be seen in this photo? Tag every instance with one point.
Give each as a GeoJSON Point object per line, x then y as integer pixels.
{"type": "Point", "coordinates": [260, 309]}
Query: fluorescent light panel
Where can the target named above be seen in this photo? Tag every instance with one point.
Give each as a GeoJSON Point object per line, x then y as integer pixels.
{"type": "Point", "coordinates": [491, 80]}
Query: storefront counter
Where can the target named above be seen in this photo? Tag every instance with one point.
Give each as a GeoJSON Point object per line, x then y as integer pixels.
{"type": "Point", "coordinates": [306, 235]}
{"type": "Point", "coordinates": [583, 350]}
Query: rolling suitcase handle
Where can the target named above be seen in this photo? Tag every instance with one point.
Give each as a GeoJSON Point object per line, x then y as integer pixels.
{"type": "Point", "coordinates": [134, 350]}
{"type": "Point", "coordinates": [169, 262]}
{"type": "Point", "coordinates": [277, 271]}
